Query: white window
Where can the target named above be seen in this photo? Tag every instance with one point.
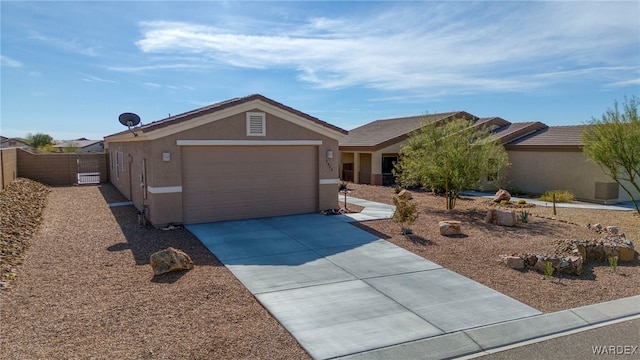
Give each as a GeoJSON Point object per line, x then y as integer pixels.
{"type": "Point", "coordinates": [256, 124]}
{"type": "Point", "coordinates": [118, 163]}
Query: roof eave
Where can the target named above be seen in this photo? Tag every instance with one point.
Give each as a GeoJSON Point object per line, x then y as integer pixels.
{"type": "Point", "coordinates": [547, 148]}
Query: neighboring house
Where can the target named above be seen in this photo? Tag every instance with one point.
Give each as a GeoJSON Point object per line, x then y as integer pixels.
{"type": "Point", "coordinates": [542, 158]}
{"type": "Point", "coordinates": [13, 142]}
{"type": "Point", "coordinates": [369, 152]}
{"type": "Point", "coordinates": [242, 158]}
{"type": "Point", "coordinates": [552, 159]}
{"type": "Point", "coordinates": [82, 145]}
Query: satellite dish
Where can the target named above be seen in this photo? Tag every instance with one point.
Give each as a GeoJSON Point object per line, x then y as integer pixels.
{"type": "Point", "coordinates": [129, 119]}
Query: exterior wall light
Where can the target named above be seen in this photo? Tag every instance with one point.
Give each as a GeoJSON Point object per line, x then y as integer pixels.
{"type": "Point", "coordinates": [329, 154]}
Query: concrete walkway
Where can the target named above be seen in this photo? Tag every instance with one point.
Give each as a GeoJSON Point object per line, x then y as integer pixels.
{"type": "Point", "coordinates": [372, 210]}
{"type": "Point", "coordinates": [623, 206]}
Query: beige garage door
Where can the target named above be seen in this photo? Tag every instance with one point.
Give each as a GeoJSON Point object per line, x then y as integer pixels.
{"type": "Point", "coordinates": [242, 182]}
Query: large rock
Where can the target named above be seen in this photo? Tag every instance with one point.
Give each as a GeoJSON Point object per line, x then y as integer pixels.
{"type": "Point", "coordinates": [618, 245]}
{"type": "Point", "coordinates": [612, 230]}
{"type": "Point", "coordinates": [450, 227]}
{"type": "Point", "coordinates": [502, 195]}
{"type": "Point", "coordinates": [571, 265]}
{"type": "Point", "coordinates": [170, 259]}
{"type": "Point", "coordinates": [501, 217]}
{"type": "Point", "coordinates": [626, 253]}
{"type": "Point", "coordinates": [514, 262]}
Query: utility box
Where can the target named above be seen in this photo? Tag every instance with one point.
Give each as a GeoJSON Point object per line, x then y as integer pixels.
{"type": "Point", "coordinates": [607, 191]}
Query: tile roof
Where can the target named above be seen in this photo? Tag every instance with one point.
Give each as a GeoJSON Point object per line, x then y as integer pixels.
{"type": "Point", "coordinates": [515, 131]}
{"type": "Point", "coordinates": [382, 133]}
{"type": "Point", "coordinates": [551, 137]}
{"type": "Point", "coordinates": [80, 143]}
{"type": "Point", "coordinates": [492, 121]}
{"type": "Point", "coordinates": [213, 108]}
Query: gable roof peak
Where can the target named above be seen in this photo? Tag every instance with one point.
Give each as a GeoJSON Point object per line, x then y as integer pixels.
{"type": "Point", "coordinates": [383, 132]}
{"type": "Point", "coordinates": [226, 104]}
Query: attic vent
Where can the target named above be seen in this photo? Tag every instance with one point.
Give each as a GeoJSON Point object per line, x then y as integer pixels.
{"type": "Point", "coordinates": [256, 124]}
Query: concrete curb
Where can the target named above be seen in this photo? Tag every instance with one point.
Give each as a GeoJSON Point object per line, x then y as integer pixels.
{"type": "Point", "coordinates": [472, 343]}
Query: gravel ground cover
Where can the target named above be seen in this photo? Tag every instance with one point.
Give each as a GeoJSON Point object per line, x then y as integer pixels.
{"type": "Point", "coordinates": [475, 254]}
{"type": "Point", "coordinates": [21, 207]}
{"type": "Point", "coordinates": [86, 291]}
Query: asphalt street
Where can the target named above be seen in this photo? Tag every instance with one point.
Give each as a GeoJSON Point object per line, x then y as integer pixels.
{"type": "Point", "coordinates": [616, 341]}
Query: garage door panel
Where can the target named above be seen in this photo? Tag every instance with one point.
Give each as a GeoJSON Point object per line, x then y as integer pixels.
{"type": "Point", "coordinates": [224, 183]}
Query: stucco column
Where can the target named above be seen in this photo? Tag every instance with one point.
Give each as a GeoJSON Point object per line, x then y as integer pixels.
{"type": "Point", "coordinates": [376, 168]}
{"type": "Point", "coordinates": [356, 167]}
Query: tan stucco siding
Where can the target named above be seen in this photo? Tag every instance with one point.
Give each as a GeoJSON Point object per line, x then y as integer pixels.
{"type": "Point", "coordinates": [540, 171]}
{"type": "Point", "coordinates": [165, 208]}
{"type": "Point", "coordinates": [327, 196]}
{"type": "Point", "coordinates": [394, 149]}
{"type": "Point", "coordinates": [125, 168]}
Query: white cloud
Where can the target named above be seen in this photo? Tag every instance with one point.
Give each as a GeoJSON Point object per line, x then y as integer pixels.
{"type": "Point", "coordinates": [624, 83]}
{"type": "Point", "coordinates": [9, 62]}
{"type": "Point", "coordinates": [69, 45]}
{"type": "Point", "coordinates": [142, 68]}
{"type": "Point", "coordinates": [91, 78]}
{"type": "Point", "coordinates": [476, 47]}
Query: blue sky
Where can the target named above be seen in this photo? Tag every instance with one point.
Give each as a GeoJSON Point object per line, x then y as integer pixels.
{"type": "Point", "coordinates": [70, 68]}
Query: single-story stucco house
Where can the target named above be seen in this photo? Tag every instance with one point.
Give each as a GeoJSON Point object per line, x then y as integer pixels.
{"type": "Point", "coordinates": [552, 158]}
{"type": "Point", "coordinates": [542, 158]}
{"type": "Point", "coordinates": [6, 142]}
{"type": "Point", "coordinates": [242, 158]}
{"type": "Point", "coordinates": [368, 153]}
{"type": "Point", "coordinates": [82, 145]}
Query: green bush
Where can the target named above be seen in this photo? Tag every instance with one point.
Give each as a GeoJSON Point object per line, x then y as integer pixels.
{"type": "Point", "coordinates": [562, 196]}
{"type": "Point", "coordinates": [504, 202]}
{"type": "Point", "coordinates": [522, 201]}
{"type": "Point", "coordinates": [406, 213]}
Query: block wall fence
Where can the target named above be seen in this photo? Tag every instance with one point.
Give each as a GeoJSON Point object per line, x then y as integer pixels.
{"type": "Point", "coordinates": [50, 169]}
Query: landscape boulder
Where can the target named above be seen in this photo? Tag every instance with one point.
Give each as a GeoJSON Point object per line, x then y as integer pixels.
{"type": "Point", "coordinates": [501, 195]}
{"type": "Point", "coordinates": [570, 255]}
{"type": "Point", "coordinates": [612, 230]}
{"type": "Point", "coordinates": [449, 227]}
{"type": "Point", "coordinates": [170, 259]}
{"type": "Point", "coordinates": [501, 217]}
{"type": "Point", "coordinates": [514, 262]}
{"type": "Point", "coordinates": [618, 245]}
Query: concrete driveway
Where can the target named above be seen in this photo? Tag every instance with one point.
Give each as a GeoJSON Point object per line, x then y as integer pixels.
{"type": "Point", "coordinates": [342, 291]}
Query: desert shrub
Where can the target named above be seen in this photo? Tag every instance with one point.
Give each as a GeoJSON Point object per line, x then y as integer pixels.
{"type": "Point", "coordinates": [522, 201]}
{"type": "Point", "coordinates": [504, 202]}
{"type": "Point", "coordinates": [406, 212]}
{"type": "Point", "coordinates": [562, 196]}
